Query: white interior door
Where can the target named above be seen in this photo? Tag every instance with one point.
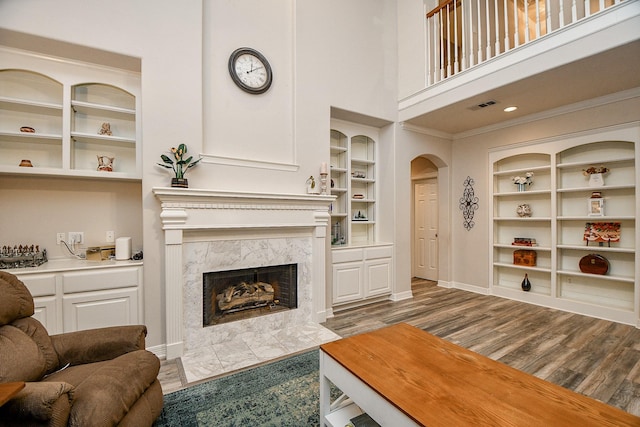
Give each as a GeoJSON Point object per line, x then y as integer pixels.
{"type": "Point", "coordinates": [425, 253]}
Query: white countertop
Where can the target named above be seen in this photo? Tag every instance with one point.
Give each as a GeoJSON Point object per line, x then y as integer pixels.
{"type": "Point", "coordinates": [55, 265]}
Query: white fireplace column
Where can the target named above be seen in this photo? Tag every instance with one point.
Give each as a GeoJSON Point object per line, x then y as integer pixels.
{"type": "Point", "coordinates": [216, 211]}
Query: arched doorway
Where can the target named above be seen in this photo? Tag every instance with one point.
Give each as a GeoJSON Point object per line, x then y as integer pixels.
{"type": "Point", "coordinates": [425, 207]}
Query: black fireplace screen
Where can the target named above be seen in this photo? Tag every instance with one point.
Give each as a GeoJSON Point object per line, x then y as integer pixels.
{"type": "Point", "coordinates": [250, 292]}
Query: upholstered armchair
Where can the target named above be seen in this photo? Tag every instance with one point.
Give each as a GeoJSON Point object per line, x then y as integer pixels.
{"type": "Point", "coordinates": [99, 377]}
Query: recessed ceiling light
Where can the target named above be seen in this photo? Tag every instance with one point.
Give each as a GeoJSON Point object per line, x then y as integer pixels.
{"type": "Point", "coordinates": [510, 109]}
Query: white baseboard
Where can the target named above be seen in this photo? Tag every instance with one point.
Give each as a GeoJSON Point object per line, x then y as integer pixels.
{"type": "Point", "coordinates": [401, 296]}
{"type": "Point", "coordinates": [159, 350]}
{"type": "Point", "coordinates": [471, 288]}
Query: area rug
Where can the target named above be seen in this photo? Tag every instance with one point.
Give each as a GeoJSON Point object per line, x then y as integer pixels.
{"type": "Point", "coordinates": [281, 393]}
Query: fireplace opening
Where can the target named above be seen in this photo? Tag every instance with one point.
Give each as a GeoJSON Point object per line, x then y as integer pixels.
{"type": "Point", "coordinates": [250, 292]}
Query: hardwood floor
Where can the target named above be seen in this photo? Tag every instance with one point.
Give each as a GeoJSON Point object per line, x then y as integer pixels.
{"type": "Point", "coordinates": [594, 357]}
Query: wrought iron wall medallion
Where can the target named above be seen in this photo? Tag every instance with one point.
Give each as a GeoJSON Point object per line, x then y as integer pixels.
{"type": "Point", "coordinates": [468, 204]}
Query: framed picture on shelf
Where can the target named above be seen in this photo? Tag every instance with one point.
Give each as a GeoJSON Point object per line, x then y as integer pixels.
{"type": "Point", "coordinates": [602, 232]}
{"type": "Point", "coordinates": [596, 206]}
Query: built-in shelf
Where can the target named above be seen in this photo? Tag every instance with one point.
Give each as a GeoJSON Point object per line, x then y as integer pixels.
{"type": "Point", "coordinates": [559, 199]}
{"type": "Point", "coordinates": [67, 116]}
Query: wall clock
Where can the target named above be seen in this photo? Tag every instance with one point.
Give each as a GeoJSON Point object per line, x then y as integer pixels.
{"type": "Point", "coordinates": [250, 70]}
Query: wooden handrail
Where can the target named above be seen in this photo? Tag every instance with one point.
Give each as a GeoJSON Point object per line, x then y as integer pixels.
{"type": "Point", "coordinates": [442, 6]}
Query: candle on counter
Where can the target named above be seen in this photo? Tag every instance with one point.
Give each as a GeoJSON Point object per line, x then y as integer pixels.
{"type": "Point", "coordinates": [323, 167]}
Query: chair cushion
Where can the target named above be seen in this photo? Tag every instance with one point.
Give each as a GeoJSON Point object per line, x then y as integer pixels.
{"type": "Point", "coordinates": [20, 357]}
{"type": "Point", "coordinates": [39, 403]}
{"type": "Point", "coordinates": [37, 332]}
{"type": "Point", "coordinates": [16, 301]}
{"type": "Point", "coordinates": [105, 391]}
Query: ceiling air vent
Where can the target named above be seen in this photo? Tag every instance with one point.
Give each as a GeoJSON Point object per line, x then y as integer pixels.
{"type": "Point", "coordinates": [483, 105]}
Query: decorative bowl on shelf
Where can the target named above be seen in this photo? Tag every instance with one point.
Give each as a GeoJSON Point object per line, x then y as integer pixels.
{"type": "Point", "coordinates": [26, 163]}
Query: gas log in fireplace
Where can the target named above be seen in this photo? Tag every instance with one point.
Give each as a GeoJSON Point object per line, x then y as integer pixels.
{"type": "Point", "coordinates": [250, 292]}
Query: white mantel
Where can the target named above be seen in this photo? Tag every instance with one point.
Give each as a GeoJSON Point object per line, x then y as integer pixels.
{"type": "Point", "coordinates": [235, 214]}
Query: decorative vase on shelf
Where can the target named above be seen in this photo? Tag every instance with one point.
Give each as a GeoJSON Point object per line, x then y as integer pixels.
{"type": "Point", "coordinates": [526, 284]}
{"type": "Point", "coordinates": [180, 182]}
{"type": "Point", "coordinates": [596, 180]}
{"type": "Point", "coordinates": [522, 187]}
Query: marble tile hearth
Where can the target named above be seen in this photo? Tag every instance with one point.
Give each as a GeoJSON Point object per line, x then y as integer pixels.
{"type": "Point", "coordinates": [252, 348]}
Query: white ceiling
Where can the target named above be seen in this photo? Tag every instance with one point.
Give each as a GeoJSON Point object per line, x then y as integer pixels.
{"type": "Point", "coordinates": [606, 73]}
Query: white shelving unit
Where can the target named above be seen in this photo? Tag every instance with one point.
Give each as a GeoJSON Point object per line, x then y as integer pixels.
{"type": "Point", "coordinates": [559, 200]}
{"type": "Point", "coordinates": [353, 176]}
{"type": "Point", "coordinates": [362, 266]}
{"type": "Point", "coordinates": [53, 98]}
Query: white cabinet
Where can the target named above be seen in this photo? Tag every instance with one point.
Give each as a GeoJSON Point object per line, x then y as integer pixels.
{"type": "Point", "coordinates": [51, 117]}
{"type": "Point", "coordinates": [86, 297]}
{"type": "Point", "coordinates": [361, 273]}
{"type": "Point", "coordinates": [560, 199]}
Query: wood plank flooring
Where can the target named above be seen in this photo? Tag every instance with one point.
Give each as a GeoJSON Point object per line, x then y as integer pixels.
{"type": "Point", "coordinates": [594, 357]}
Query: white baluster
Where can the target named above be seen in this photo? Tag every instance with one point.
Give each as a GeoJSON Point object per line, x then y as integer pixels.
{"type": "Point", "coordinates": [561, 13]}
{"type": "Point", "coordinates": [574, 10]}
{"type": "Point", "coordinates": [547, 11]}
{"type": "Point", "coordinates": [526, 21]}
{"type": "Point", "coordinates": [516, 25]}
{"type": "Point", "coordinates": [488, 28]}
{"type": "Point", "coordinates": [465, 26]}
{"type": "Point", "coordinates": [456, 66]}
{"type": "Point", "coordinates": [537, 18]}
{"type": "Point", "coordinates": [440, 19]}
{"type": "Point", "coordinates": [479, 33]}
{"type": "Point", "coordinates": [448, 27]}
{"type": "Point", "coordinates": [496, 22]}
{"type": "Point", "coordinates": [507, 44]}
{"type": "Point", "coordinates": [469, 24]}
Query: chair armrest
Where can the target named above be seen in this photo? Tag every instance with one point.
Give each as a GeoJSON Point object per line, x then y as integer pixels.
{"type": "Point", "coordinates": [39, 403]}
{"type": "Point", "coordinates": [96, 345]}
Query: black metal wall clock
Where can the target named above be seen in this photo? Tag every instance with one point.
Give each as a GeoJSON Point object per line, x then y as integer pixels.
{"type": "Point", "coordinates": [250, 70]}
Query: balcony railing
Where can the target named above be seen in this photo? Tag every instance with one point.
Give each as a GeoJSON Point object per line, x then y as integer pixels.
{"type": "Point", "coordinates": [464, 33]}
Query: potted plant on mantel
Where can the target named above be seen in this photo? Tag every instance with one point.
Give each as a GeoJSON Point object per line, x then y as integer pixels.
{"type": "Point", "coordinates": [180, 166]}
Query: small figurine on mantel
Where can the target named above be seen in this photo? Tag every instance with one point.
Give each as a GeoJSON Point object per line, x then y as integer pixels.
{"type": "Point", "coordinates": [311, 185]}
{"type": "Point", "coordinates": [105, 129]}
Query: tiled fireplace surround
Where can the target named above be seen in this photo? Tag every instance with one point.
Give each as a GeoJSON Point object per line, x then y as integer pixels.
{"type": "Point", "coordinates": [208, 230]}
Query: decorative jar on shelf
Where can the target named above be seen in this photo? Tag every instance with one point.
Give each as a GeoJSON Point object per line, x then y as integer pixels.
{"type": "Point", "coordinates": [524, 210]}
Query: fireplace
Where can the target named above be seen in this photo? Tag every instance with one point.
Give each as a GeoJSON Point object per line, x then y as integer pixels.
{"type": "Point", "coordinates": [213, 231]}
{"type": "Point", "coordinates": [247, 293]}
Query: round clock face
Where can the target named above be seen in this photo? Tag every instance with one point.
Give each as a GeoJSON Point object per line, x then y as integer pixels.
{"type": "Point", "coordinates": [250, 70]}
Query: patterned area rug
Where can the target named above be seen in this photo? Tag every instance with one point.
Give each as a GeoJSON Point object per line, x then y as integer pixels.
{"type": "Point", "coordinates": [281, 393]}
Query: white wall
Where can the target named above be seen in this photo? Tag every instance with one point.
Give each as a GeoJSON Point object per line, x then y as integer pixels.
{"type": "Point", "coordinates": [328, 53]}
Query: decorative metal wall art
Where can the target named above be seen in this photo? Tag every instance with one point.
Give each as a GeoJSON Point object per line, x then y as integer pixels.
{"type": "Point", "coordinates": [468, 204]}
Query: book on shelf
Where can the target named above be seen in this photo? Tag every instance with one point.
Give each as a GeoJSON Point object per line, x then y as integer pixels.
{"type": "Point", "coordinates": [524, 241]}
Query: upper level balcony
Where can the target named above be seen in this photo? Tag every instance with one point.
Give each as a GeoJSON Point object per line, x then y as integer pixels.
{"type": "Point", "coordinates": [556, 52]}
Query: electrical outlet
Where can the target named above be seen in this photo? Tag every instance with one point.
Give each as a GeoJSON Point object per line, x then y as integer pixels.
{"type": "Point", "coordinates": [110, 237]}
{"type": "Point", "coordinates": [76, 237]}
{"type": "Point", "coordinates": [59, 238]}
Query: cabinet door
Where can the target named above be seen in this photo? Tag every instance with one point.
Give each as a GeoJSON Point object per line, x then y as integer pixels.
{"type": "Point", "coordinates": [88, 310]}
{"type": "Point", "coordinates": [377, 277]}
{"type": "Point", "coordinates": [46, 313]}
{"type": "Point", "coordinates": [347, 282]}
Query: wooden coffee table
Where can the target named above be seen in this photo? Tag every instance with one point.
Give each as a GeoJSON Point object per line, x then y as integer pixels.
{"type": "Point", "coordinates": [8, 390]}
{"type": "Point", "coordinates": [403, 376]}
